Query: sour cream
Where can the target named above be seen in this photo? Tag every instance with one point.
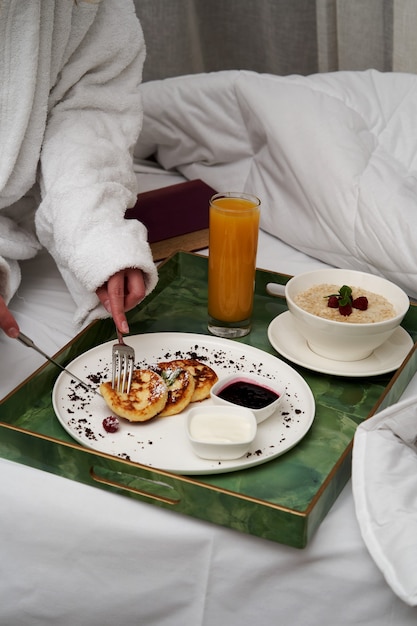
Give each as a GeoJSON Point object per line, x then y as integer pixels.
{"type": "Point", "coordinates": [215, 428]}
{"type": "Point", "coordinates": [221, 432]}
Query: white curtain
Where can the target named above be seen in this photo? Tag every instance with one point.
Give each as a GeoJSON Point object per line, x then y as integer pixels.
{"type": "Point", "coordinates": [278, 36]}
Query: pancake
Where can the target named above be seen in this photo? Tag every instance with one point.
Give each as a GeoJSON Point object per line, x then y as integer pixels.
{"type": "Point", "coordinates": [147, 396]}
{"type": "Point", "coordinates": [204, 376]}
{"type": "Point", "coordinates": [181, 385]}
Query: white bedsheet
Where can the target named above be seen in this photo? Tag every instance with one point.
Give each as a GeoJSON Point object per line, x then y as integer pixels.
{"type": "Point", "coordinates": [75, 555]}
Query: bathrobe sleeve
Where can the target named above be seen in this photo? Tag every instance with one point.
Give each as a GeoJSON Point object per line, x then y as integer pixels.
{"type": "Point", "coordinates": [87, 178]}
{"type": "Point", "coordinates": [15, 244]}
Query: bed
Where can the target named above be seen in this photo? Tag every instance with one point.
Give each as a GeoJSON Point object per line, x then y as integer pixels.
{"type": "Point", "coordinates": [72, 554]}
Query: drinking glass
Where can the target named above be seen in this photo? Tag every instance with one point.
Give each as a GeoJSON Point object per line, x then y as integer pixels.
{"type": "Point", "coordinates": [233, 243]}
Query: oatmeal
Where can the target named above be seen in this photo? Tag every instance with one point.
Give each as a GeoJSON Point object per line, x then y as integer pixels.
{"type": "Point", "coordinates": [315, 301]}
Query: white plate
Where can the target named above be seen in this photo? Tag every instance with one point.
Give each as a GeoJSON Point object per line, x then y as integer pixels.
{"type": "Point", "coordinates": [162, 443]}
{"type": "Point", "coordinates": [284, 337]}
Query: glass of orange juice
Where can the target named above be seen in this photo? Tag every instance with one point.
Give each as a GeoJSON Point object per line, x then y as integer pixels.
{"type": "Point", "coordinates": [233, 243]}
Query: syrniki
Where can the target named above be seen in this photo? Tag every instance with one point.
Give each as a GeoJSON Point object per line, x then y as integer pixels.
{"type": "Point", "coordinates": [164, 390]}
{"type": "Point", "coordinates": [203, 374]}
{"type": "Point", "coordinates": [180, 384]}
{"type": "Point", "coordinates": [147, 396]}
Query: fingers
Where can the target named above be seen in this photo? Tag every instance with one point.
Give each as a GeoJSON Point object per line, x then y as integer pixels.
{"type": "Point", "coordinates": [7, 321]}
{"type": "Point", "coordinates": [122, 292]}
{"type": "Point", "coordinates": [134, 288]}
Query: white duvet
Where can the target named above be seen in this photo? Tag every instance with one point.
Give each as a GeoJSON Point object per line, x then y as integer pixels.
{"type": "Point", "coordinates": [333, 157]}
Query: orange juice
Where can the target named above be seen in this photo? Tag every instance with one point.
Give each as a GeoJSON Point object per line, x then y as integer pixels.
{"type": "Point", "coordinates": [234, 226]}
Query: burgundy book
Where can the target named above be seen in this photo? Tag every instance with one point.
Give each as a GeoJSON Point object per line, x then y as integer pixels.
{"type": "Point", "coordinates": [172, 212]}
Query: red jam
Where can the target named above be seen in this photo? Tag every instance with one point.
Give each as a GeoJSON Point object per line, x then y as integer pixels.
{"type": "Point", "coordinates": [248, 394]}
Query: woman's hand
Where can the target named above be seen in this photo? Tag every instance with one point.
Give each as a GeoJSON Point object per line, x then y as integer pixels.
{"type": "Point", "coordinates": [7, 321]}
{"type": "Point", "coordinates": [120, 293]}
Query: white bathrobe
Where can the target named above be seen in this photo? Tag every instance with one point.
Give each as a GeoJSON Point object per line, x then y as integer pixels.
{"type": "Point", "coordinates": [70, 114]}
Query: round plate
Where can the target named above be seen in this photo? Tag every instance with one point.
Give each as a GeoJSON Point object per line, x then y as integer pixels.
{"type": "Point", "coordinates": [162, 442]}
{"type": "Point", "coordinates": [284, 337]}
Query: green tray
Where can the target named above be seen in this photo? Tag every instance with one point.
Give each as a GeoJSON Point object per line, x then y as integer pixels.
{"type": "Point", "coordinates": [283, 500]}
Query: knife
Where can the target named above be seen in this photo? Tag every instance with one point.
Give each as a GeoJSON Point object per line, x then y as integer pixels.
{"type": "Point", "coordinates": [30, 344]}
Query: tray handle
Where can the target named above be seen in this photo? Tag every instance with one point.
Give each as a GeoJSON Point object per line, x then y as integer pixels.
{"type": "Point", "coordinates": [155, 490]}
{"type": "Point", "coordinates": [275, 289]}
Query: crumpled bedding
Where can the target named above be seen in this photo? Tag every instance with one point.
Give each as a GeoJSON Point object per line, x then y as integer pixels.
{"type": "Point", "coordinates": [384, 481]}
{"type": "Point", "coordinates": [333, 157]}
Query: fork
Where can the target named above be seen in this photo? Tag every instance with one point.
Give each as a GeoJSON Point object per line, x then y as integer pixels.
{"type": "Point", "coordinates": [123, 361]}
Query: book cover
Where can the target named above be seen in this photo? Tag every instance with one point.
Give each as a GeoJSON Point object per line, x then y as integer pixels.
{"type": "Point", "coordinates": [173, 211]}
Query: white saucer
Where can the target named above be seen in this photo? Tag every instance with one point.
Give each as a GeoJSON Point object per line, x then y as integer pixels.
{"type": "Point", "coordinates": [286, 340]}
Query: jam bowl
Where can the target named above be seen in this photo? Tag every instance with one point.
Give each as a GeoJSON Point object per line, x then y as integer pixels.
{"type": "Point", "coordinates": [219, 432]}
{"type": "Point", "coordinates": [261, 395]}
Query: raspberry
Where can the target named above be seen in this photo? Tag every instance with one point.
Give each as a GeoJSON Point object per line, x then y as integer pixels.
{"type": "Point", "coordinates": [333, 302]}
{"type": "Point", "coordinates": [111, 424]}
{"type": "Point", "coordinates": [345, 309]}
{"type": "Point", "coordinates": [360, 303]}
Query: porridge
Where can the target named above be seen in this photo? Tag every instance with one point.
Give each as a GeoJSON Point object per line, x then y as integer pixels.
{"type": "Point", "coordinates": [316, 301]}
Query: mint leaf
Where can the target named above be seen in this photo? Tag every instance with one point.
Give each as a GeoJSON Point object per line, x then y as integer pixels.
{"type": "Point", "coordinates": [345, 296]}
{"type": "Point", "coordinates": [171, 375]}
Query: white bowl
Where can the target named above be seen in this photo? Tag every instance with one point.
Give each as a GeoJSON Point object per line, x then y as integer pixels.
{"type": "Point", "coordinates": [221, 432]}
{"type": "Point", "coordinates": [252, 401]}
{"type": "Point", "coordinates": [341, 340]}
